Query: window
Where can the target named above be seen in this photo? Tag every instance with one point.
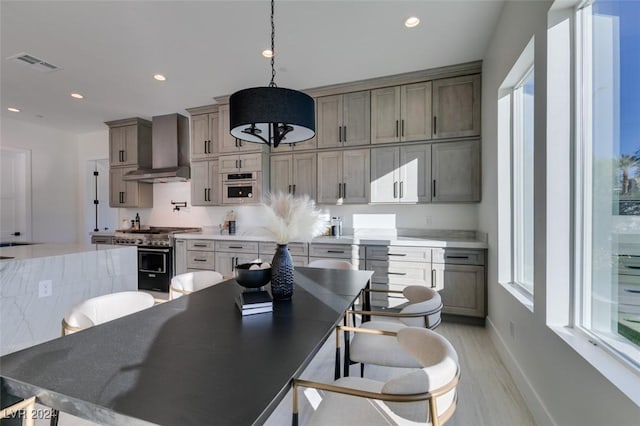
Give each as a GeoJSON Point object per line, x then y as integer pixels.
{"type": "Point", "coordinates": [607, 199]}
{"type": "Point", "coordinates": [515, 177]}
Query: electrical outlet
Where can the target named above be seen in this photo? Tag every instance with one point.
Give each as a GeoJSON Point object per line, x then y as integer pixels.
{"type": "Point", "coordinates": [512, 329]}
{"type": "Point", "coordinates": [428, 220]}
{"type": "Point", "coordinates": [45, 288]}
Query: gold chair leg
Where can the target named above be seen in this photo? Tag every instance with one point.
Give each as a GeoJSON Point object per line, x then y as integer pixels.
{"type": "Point", "coordinates": [294, 416]}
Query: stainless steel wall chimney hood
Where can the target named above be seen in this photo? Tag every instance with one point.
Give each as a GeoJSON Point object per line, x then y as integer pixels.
{"type": "Point", "coordinates": [169, 151]}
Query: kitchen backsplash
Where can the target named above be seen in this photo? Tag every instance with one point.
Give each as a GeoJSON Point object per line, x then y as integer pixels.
{"type": "Point", "coordinates": [423, 216]}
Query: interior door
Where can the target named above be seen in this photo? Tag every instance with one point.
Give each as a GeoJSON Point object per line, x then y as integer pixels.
{"type": "Point", "coordinates": [15, 195]}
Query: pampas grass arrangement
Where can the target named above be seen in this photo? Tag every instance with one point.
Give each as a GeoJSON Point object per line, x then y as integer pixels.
{"type": "Point", "coordinates": [290, 218]}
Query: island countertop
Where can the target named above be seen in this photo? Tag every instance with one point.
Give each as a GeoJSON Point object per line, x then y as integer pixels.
{"type": "Point", "coordinates": [38, 250]}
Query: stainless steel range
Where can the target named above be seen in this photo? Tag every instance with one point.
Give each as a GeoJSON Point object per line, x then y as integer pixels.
{"type": "Point", "coordinates": [155, 254]}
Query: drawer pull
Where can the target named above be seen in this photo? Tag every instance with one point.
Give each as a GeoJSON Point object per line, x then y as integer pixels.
{"type": "Point", "coordinates": [199, 245]}
{"type": "Point", "coordinates": [632, 267]}
{"type": "Point", "coordinates": [397, 254]}
{"type": "Point", "coordinates": [457, 257]}
{"type": "Point", "coordinates": [335, 251]}
{"type": "Point", "coordinates": [397, 273]}
{"type": "Point", "coordinates": [235, 247]}
{"type": "Point", "coordinates": [199, 260]}
{"type": "Point", "coordinates": [628, 290]}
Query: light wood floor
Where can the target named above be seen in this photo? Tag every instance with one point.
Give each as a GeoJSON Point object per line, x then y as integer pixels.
{"type": "Point", "coordinates": [487, 396]}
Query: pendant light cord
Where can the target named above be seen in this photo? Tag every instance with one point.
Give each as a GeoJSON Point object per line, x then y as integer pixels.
{"type": "Point", "coordinates": [273, 53]}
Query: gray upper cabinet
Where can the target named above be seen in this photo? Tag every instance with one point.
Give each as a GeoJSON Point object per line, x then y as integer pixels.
{"type": "Point", "coordinates": [129, 143]}
{"type": "Point", "coordinates": [401, 113]}
{"type": "Point", "coordinates": [205, 183]}
{"type": "Point", "coordinates": [344, 120]}
{"type": "Point", "coordinates": [401, 175]}
{"type": "Point", "coordinates": [455, 171]}
{"type": "Point", "coordinates": [343, 176]}
{"type": "Point", "coordinates": [204, 136]}
{"type": "Point", "coordinates": [129, 150]}
{"type": "Point", "coordinates": [456, 107]}
{"type": "Point", "coordinates": [294, 174]}
{"type": "Point", "coordinates": [226, 142]}
{"type": "Point", "coordinates": [124, 193]}
{"type": "Point", "coordinates": [298, 146]}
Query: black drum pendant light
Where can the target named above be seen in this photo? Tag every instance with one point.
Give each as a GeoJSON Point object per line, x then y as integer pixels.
{"type": "Point", "coordinates": [272, 115]}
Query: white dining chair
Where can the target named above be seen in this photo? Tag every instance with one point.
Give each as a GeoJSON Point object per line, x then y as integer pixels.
{"type": "Point", "coordinates": [330, 264]}
{"type": "Point", "coordinates": [193, 281]}
{"type": "Point", "coordinates": [101, 309]}
{"type": "Point", "coordinates": [423, 309]}
{"type": "Point", "coordinates": [426, 395]}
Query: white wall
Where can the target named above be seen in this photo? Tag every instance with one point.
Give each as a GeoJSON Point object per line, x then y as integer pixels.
{"type": "Point", "coordinates": [54, 177]}
{"type": "Point", "coordinates": [559, 385]}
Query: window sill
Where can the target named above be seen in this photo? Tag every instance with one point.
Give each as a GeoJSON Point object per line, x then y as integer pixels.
{"type": "Point", "coordinates": [623, 376]}
{"type": "Point", "coordinates": [520, 294]}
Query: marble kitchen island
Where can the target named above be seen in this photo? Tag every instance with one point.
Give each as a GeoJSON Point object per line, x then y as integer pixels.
{"type": "Point", "coordinates": [40, 282]}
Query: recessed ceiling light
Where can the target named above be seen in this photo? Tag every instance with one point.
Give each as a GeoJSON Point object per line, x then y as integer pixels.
{"type": "Point", "coordinates": [160, 77]}
{"type": "Point", "coordinates": [13, 109]}
{"type": "Point", "coordinates": [267, 53]}
{"type": "Point", "coordinates": [77, 95]}
{"type": "Point", "coordinates": [412, 22]}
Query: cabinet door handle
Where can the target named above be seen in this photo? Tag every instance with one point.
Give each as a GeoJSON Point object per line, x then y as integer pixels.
{"type": "Point", "coordinates": [631, 267]}
{"type": "Point", "coordinates": [289, 189]}
{"type": "Point", "coordinates": [344, 190]}
{"type": "Point", "coordinates": [294, 189]}
{"type": "Point", "coordinates": [240, 163]}
{"type": "Point", "coordinates": [397, 254]}
{"type": "Point", "coordinates": [199, 260]}
{"type": "Point", "coordinates": [339, 133]}
{"type": "Point", "coordinates": [236, 142]}
{"type": "Point", "coordinates": [397, 131]}
{"type": "Point", "coordinates": [344, 136]}
{"type": "Point", "coordinates": [434, 189]}
{"type": "Point", "coordinates": [401, 189]}
{"type": "Point", "coordinates": [235, 247]}
{"type": "Point", "coordinates": [435, 122]}
{"type": "Point", "coordinates": [124, 197]}
{"type": "Point", "coordinates": [395, 189]}
{"type": "Point", "coordinates": [339, 190]}
{"type": "Point", "coordinates": [433, 278]}
{"type": "Point", "coordinates": [124, 155]}
{"type": "Point", "coordinates": [335, 251]}
{"type": "Point", "coordinates": [402, 133]}
{"type": "Point", "coordinates": [397, 273]}
{"type": "Point", "coordinates": [457, 257]}
{"type": "Point", "coordinates": [210, 195]}
{"type": "Point", "coordinates": [205, 146]}
{"type": "Point", "coordinates": [232, 268]}
{"type": "Point", "coordinates": [236, 164]}
{"type": "Point", "coordinates": [205, 194]}
{"type": "Point", "coordinates": [628, 290]}
{"type": "Point", "coordinates": [200, 245]}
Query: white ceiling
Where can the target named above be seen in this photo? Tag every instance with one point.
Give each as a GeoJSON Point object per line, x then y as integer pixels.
{"type": "Point", "coordinates": [109, 50]}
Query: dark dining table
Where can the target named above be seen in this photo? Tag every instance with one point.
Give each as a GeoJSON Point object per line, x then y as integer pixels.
{"type": "Point", "coordinates": [191, 361]}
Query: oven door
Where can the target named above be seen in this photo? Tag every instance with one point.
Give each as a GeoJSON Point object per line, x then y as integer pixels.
{"type": "Point", "coordinates": [240, 192]}
{"type": "Point", "coordinates": [154, 268]}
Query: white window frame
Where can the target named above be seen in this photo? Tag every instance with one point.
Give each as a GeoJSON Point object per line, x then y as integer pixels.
{"type": "Point", "coordinates": [510, 263]}
{"type": "Point", "coordinates": [567, 89]}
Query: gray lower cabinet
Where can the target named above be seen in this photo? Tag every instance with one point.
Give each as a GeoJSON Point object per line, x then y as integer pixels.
{"type": "Point", "coordinates": [461, 275]}
{"type": "Point", "coordinates": [299, 252]}
{"type": "Point", "coordinates": [352, 253]}
{"type": "Point", "coordinates": [394, 268]}
{"type": "Point", "coordinates": [229, 254]}
{"type": "Point", "coordinates": [179, 257]}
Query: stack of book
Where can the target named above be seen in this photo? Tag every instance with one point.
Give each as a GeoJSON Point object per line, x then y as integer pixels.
{"type": "Point", "coordinates": [254, 302]}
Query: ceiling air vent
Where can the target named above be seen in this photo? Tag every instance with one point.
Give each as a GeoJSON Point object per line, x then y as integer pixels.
{"type": "Point", "coordinates": [33, 62]}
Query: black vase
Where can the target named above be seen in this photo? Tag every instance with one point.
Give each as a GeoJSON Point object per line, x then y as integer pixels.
{"type": "Point", "coordinates": [282, 274]}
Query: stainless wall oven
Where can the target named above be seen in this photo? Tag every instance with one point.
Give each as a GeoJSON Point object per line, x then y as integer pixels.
{"type": "Point", "coordinates": [155, 268]}
{"type": "Point", "coordinates": [241, 188]}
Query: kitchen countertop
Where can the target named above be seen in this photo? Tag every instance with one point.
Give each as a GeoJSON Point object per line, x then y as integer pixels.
{"type": "Point", "coordinates": [50, 249]}
{"type": "Point", "coordinates": [350, 239]}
